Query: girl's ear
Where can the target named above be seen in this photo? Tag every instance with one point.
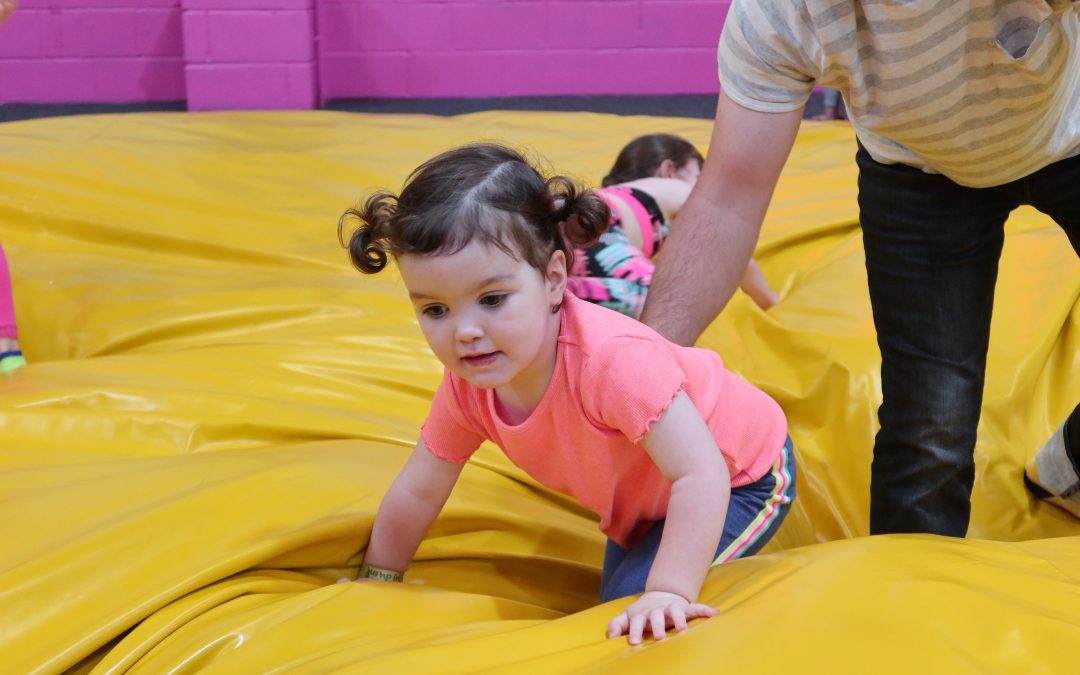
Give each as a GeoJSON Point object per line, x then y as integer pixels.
{"type": "Point", "coordinates": [555, 276]}
{"type": "Point", "coordinates": [667, 169]}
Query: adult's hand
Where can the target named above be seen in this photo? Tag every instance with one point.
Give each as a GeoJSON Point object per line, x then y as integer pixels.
{"type": "Point", "coordinates": [714, 235]}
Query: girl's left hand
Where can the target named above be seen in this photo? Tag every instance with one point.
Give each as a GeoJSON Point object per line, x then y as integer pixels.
{"type": "Point", "coordinates": [660, 611]}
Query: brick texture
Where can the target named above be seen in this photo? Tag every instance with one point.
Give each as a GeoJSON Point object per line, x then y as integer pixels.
{"type": "Point", "coordinates": [68, 51]}
{"type": "Point", "coordinates": [428, 48]}
{"type": "Point", "coordinates": [296, 53]}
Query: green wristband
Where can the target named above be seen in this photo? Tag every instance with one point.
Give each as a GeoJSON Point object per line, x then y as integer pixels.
{"type": "Point", "coordinates": [379, 574]}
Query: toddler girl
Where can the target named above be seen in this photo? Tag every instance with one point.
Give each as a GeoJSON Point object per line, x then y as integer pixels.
{"type": "Point", "coordinates": [686, 464]}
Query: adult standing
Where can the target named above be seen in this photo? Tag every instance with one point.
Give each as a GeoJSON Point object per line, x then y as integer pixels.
{"type": "Point", "coordinates": [964, 110]}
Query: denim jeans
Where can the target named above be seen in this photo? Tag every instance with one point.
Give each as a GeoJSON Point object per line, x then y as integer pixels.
{"type": "Point", "coordinates": [754, 513]}
{"type": "Point", "coordinates": [932, 249]}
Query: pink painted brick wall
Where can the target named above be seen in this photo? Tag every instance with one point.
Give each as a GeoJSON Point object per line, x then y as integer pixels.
{"type": "Point", "coordinates": [250, 54]}
{"type": "Point", "coordinates": [424, 48]}
{"type": "Point", "coordinates": [296, 53]}
{"type": "Point", "coordinates": [92, 50]}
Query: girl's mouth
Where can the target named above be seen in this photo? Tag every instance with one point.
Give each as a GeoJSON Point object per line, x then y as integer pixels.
{"type": "Point", "coordinates": [480, 359]}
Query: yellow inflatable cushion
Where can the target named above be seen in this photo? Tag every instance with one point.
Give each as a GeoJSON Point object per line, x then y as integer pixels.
{"type": "Point", "coordinates": [216, 402]}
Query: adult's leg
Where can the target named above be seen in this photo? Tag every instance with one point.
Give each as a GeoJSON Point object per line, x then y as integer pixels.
{"type": "Point", "coordinates": [932, 250]}
{"type": "Point", "coordinates": [1055, 190]}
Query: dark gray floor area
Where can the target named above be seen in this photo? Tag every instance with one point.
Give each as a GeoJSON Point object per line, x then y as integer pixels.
{"type": "Point", "coordinates": [24, 111]}
{"type": "Point", "coordinates": [676, 105]}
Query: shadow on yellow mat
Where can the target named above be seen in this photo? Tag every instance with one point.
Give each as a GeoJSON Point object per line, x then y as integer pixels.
{"type": "Point", "coordinates": [216, 402]}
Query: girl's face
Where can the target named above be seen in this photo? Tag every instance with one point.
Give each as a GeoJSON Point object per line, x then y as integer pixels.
{"type": "Point", "coordinates": [488, 316]}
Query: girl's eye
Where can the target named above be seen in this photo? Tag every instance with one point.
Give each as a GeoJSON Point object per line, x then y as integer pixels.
{"type": "Point", "coordinates": [493, 300]}
{"type": "Point", "coordinates": [434, 311]}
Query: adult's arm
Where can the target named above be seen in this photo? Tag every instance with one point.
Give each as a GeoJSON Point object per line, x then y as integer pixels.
{"type": "Point", "coordinates": [714, 235]}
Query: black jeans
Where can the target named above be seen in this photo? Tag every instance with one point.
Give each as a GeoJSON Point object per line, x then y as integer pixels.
{"type": "Point", "coordinates": [932, 250]}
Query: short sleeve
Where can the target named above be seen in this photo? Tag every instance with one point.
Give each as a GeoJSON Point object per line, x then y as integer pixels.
{"type": "Point", "coordinates": [768, 55]}
{"type": "Point", "coordinates": [629, 384]}
{"type": "Point", "coordinates": [446, 433]}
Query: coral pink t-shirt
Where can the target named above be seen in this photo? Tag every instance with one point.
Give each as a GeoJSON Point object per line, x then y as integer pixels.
{"type": "Point", "coordinates": [613, 377]}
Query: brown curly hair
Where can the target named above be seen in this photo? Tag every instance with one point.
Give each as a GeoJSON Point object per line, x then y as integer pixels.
{"type": "Point", "coordinates": [482, 190]}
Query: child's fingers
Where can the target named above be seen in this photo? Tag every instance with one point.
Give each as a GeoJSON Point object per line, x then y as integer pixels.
{"type": "Point", "coordinates": [678, 618]}
{"type": "Point", "coordinates": [698, 610]}
{"type": "Point", "coordinates": [637, 628]}
{"type": "Point", "coordinates": [658, 621]}
{"type": "Point", "coordinates": [618, 625]}
{"type": "Point", "coordinates": [634, 625]}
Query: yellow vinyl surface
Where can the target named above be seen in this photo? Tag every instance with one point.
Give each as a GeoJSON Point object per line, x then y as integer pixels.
{"type": "Point", "coordinates": [216, 402]}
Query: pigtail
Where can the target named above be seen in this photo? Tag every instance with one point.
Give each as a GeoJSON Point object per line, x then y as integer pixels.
{"type": "Point", "coordinates": [582, 216]}
{"type": "Point", "coordinates": [368, 245]}
{"type": "Point", "coordinates": [482, 191]}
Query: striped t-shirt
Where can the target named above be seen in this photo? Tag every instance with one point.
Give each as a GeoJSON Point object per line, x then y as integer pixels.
{"type": "Point", "coordinates": [982, 91]}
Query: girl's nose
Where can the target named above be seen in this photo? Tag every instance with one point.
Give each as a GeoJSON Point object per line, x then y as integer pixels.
{"type": "Point", "coordinates": [468, 330]}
